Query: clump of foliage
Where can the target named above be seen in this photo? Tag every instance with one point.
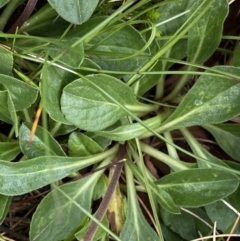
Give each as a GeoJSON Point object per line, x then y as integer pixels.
{"type": "Point", "coordinates": [106, 104]}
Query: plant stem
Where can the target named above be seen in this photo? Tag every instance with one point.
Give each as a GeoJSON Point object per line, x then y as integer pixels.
{"type": "Point", "coordinates": [174, 164]}
{"type": "Point", "coordinates": [106, 200]}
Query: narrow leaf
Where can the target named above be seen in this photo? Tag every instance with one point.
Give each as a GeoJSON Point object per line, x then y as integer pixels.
{"type": "Point", "coordinates": [208, 185]}
{"type": "Point", "coordinates": [205, 36]}
{"type": "Point", "coordinates": [6, 60]}
{"type": "Point", "coordinates": [23, 177]}
{"type": "Point", "coordinates": [5, 202]}
{"type": "Point", "coordinates": [128, 132]}
{"type": "Point", "coordinates": [228, 138]}
{"type": "Point", "coordinates": [9, 150]}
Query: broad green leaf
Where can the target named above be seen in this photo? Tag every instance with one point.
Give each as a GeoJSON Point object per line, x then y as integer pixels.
{"type": "Point", "coordinates": [209, 185]}
{"type": "Point", "coordinates": [72, 57]}
{"type": "Point", "coordinates": [86, 107]}
{"type": "Point", "coordinates": [228, 138]}
{"type": "Point", "coordinates": [128, 132]}
{"type": "Point", "coordinates": [9, 150]}
{"type": "Point", "coordinates": [5, 202]}
{"type": "Point", "coordinates": [223, 216]}
{"type": "Point", "coordinates": [22, 94]}
{"type": "Point", "coordinates": [185, 224]}
{"type": "Point", "coordinates": [6, 60]}
{"type": "Point", "coordinates": [56, 80]}
{"type": "Point", "coordinates": [236, 56]}
{"type": "Point", "coordinates": [23, 177]}
{"type": "Point", "coordinates": [109, 48]}
{"type": "Point", "coordinates": [211, 100]}
{"type": "Point", "coordinates": [205, 36]}
{"type": "Point", "coordinates": [39, 146]}
{"type": "Point", "coordinates": [74, 11]}
{"type": "Point", "coordinates": [100, 232]}
{"type": "Point", "coordinates": [56, 216]}
{"type": "Point", "coordinates": [81, 145]}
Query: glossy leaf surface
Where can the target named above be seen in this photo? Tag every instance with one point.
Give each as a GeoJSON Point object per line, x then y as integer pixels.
{"type": "Point", "coordinates": [185, 186]}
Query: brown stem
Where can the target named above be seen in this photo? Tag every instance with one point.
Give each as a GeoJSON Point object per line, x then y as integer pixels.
{"type": "Point", "coordinates": [105, 202]}
{"type": "Point", "coordinates": [24, 16]}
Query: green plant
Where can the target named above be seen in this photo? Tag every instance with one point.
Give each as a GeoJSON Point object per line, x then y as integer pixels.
{"type": "Point", "coordinates": [99, 77]}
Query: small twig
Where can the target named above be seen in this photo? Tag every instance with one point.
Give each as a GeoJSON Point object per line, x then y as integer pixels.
{"type": "Point", "coordinates": [105, 202]}
{"type": "Point", "coordinates": [24, 16]}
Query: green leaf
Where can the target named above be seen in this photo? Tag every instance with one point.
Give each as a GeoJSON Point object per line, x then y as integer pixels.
{"type": "Point", "coordinates": [211, 100]}
{"type": "Point", "coordinates": [7, 110]}
{"type": "Point", "coordinates": [23, 177]}
{"type": "Point", "coordinates": [9, 150]}
{"type": "Point", "coordinates": [110, 48]}
{"type": "Point", "coordinates": [185, 224]}
{"type": "Point", "coordinates": [81, 145]}
{"type": "Point", "coordinates": [72, 57]}
{"type": "Point", "coordinates": [228, 138]}
{"type": "Point", "coordinates": [100, 232]}
{"type": "Point", "coordinates": [56, 80]}
{"type": "Point", "coordinates": [86, 107]}
{"type": "Point", "coordinates": [56, 216]}
{"type": "Point", "coordinates": [209, 185]}
{"type": "Point", "coordinates": [39, 146]}
{"type": "Point", "coordinates": [3, 2]}
{"type": "Point", "coordinates": [22, 94]}
{"type": "Point", "coordinates": [223, 216]}
{"type": "Point", "coordinates": [165, 200]}
{"type": "Point", "coordinates": [74, 11]}
{"type": "Point", "coordinates": [170, 10]}
{"type": "Point", "coordinates": [5, 202]}
{"type": "Point", "coordinates": [128, 132]}
{"type": "Point", "coordinates": [205, 36]}
{"type": "Point", "coordinates": [135, 227]}
{"type": "Point", "coordinates": [6, 60]}
{"type": "Point", "coordinates": [236, 56]}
